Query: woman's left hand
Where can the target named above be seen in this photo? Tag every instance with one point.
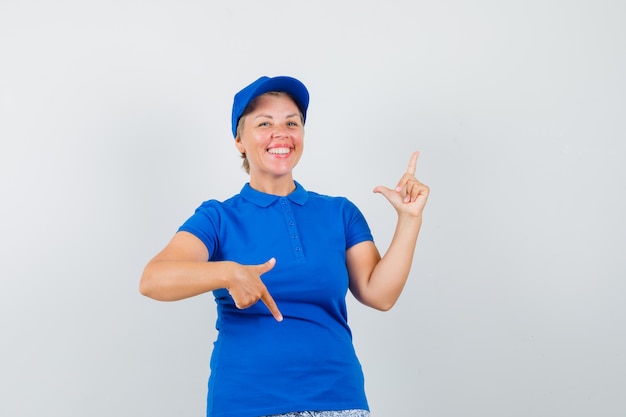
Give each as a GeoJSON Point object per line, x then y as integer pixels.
{"type": "Point", "coordinates": [410, 195]}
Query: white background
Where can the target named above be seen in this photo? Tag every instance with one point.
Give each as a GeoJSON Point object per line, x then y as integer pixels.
{"type": "Point", "coordinates": [115, 125]}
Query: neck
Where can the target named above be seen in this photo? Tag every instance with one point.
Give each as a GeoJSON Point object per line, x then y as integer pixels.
{"type": "Point", "coordinates": [277, 186]}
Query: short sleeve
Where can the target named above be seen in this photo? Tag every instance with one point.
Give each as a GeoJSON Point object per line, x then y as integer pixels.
{"type": "Point", "coordinates": [357, 229]}
{"type": "Point", "coordinates": [205, 225]}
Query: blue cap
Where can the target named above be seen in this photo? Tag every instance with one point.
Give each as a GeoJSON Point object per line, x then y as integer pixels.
{"type": "Point", "coordinates": [263, 85]}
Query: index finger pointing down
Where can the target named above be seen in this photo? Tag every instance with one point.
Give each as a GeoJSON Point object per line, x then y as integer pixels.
{"type": "Point", "coordinates": [272, 307]}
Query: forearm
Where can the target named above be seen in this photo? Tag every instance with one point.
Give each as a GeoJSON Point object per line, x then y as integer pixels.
{"type": "Point", "coordinates": [390, 274]}
{"type": "Point", "coordinates": [169, 280]}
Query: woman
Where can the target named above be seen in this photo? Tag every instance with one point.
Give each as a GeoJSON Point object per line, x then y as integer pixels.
{"type": "Point", "coordinates": [295, 251]}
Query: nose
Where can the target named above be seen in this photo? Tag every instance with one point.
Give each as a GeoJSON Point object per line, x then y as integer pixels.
{"type": "Point", "coordinates": [280, 131]}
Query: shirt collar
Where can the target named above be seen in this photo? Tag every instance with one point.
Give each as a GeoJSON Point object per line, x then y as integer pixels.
{"type": "Point", "coordinates": [298, 196]}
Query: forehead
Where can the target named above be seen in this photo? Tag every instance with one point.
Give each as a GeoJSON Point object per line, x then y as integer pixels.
{"type": "Point", "coordinates": [277, 101]}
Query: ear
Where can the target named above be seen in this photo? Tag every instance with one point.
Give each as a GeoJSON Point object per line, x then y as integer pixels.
{"type": "Point", "coordinates": [239, 145]}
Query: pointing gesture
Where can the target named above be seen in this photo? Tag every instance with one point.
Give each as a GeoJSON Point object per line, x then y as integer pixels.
{"type": "Point", "coordinates": [410, 195]}
{"type": "Point", "coordinates": [247, 288]}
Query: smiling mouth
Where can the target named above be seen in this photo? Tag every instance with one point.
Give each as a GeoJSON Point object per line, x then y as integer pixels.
{"type": "Point", "coordinates": [279, 151]}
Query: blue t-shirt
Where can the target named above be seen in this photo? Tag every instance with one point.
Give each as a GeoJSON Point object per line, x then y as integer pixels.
{"type": "Point", "coordinates": [306, 362]}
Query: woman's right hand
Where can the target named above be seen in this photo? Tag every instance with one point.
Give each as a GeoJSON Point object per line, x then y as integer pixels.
{"type": "Point", "coordinates": [246, 287]}
{"type": "Point", "coordinates": [181, 271]}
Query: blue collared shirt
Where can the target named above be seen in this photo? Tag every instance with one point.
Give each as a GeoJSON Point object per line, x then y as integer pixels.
{"type": "Point", "coordinates": [307, 361]}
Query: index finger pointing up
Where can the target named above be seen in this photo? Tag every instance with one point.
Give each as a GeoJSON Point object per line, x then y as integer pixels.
{"type": "Point", "coordinates": [413, 163]}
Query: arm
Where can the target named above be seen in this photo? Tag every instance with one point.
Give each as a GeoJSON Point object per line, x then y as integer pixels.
{"type": "Point", "coordinates": [378, 282]}
{"type": "Point", "coordinates": [182, 270]}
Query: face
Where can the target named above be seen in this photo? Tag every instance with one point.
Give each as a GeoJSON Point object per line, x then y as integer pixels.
{"type": "Point", "coordinates": [272, 137]}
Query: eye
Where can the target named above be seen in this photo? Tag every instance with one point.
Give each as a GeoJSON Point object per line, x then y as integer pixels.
{"type": "Point", "coordinates": [264, 124]}
{"type": "Point", "coordinates": [292, 124]}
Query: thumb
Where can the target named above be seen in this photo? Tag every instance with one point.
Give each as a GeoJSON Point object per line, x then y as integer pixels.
{"type": "Point", "coordinates": [386, 192]}
{"type": "Point", "coordinates": [267, 266]}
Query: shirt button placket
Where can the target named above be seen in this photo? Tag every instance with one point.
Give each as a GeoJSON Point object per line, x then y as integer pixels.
{"type": "Point", "coordinates": [292, 228]}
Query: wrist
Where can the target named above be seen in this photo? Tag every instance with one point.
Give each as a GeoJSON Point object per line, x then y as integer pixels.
{"type": "Point", "coordinates": [409, 216]}
{"type": "Point", "coordinates": [409, 221]}
{"type": "Point", "coordinates": [225, 274]}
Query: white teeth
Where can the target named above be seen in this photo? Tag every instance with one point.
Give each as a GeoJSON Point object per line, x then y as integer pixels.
{"type": "Point", "coordinates": [279, 151]}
